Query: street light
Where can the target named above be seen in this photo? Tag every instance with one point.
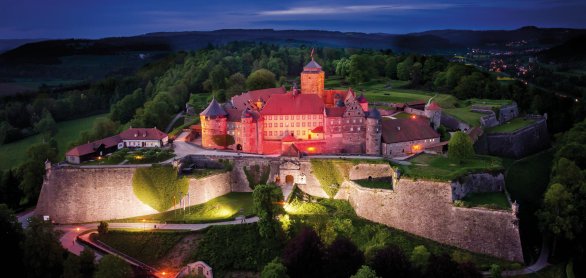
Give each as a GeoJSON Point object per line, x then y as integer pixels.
{"type": "Point", "coordinates": [143, 225]}
{"type": "Point", "coordinates": [77, 229]}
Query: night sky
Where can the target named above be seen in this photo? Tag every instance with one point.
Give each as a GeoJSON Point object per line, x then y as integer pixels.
{"type": "Point", "coordinates": [103, 18]}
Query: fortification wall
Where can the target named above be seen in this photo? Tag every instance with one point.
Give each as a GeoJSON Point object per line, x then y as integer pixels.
{"type": "Point", "coordinates": [521, 143]}
{"type": "Point", "coordinates": [425, 208]}
{"type": "Point", "coordinates": [207, 188]}
{"type": "Point", "coordinates": [364, 171]}
{"type": "Point", "coordinates": [480, 182]}
{"type": "Point", "coordinates": [75, 195]}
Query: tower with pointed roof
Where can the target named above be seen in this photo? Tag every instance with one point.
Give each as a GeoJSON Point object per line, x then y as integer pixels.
{"type": "Point", "coordinates": [434, 112]}
{"type": "Point", "coordinates": [213, 125]}
{"type": "Point", "coordinates": [312, 79]}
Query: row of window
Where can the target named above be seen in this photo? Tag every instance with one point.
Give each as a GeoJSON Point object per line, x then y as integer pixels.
{"type": "Point", "coordinates": [297, 124]}
{"type": "Point", "coordinates": [294, 117]}
{"type": "Point", "coordinates": [285, 133]}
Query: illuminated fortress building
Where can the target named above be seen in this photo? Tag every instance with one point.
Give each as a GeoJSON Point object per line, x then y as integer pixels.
{"type": "Point", "coordinates": [314, 120]}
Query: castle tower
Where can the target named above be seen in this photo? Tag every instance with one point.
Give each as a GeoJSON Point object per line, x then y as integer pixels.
{"type": "Point", "coordinates": [373, 132]}
{"type": "Point", "coordinates": [213, 125]}
{"type": "Point", "coordinates": [312, 79]}
{"type": "Point", "coordinates": [251, 131]}
{"type": "Point", "coordinates": [434, 112]}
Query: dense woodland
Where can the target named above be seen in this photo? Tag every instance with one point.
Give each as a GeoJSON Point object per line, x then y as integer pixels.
{"type": "Point", "coordinates": [157, 91]}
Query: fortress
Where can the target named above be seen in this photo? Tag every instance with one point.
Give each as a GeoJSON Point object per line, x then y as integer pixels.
{"type": "Point", "coordinates": [313, 120]}
{"type": "Point", "coordinates": [74, 194]}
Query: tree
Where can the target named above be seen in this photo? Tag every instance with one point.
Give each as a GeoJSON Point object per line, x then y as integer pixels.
{"type": "Point", "coordinates": [71, 267]}
{"type": "Point", "coordinates": [365, 272]}
{"type": "Point", "coordinates": [46, 126]}
{"type": "Point", "coordinates": [390, 261]}
{"type": "Point", "coordinates": [10, 193]}
{"type": "Point", "coordinates": [223, 140]}
{"type": "Point", "coordinates": [274, 269]}
{"type": "Point", "coordinates": [416, 74]}
{"type": "Point", "coordinates": [103, 228]}
{"type": "Point", "coordinates": [303, 254]}
{"type": "Point", "coordinates": [342, 258]}
{"type": "Point", "coordinates": [43, 254]}
{"type": "Point", "coordinates": [460, 147]}
{"type": "Point", "coordinates": [261, 79]}
{"type": "Point", "coordinates": [111, 266]}
{"type": "Point", "coordinates": [420, 257]}
{"type": "Point", "coordinates": [361, 69]}
{"type": "Point", "coordinates": [236, 84]}
{"type": "Point", "coordinates": [558, 215]}
{"type": "Point", "coordinates": [12, 236]}
{"type": "Point", "coordinates": [442, 266]}
{"type": "Point", "coordinates": [31, 173]}
{"type": "Point", "coordinates": [104, 127]}
{"type": "Point", "coordinates": [404, 69]}
{"type": "Point", "coordinates": [86, 263]}
{"type": "Point", "coordinates": [266, 199]}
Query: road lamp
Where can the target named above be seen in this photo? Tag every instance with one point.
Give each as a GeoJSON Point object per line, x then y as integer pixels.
{"type": "Point", "coordinates": [143, 225]}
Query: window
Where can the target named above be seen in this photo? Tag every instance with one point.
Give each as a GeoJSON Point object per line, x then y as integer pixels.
{"type": "Point", "coordinates": [360, 120]}
{"type": "Point", "coordinates": [270, 133]}
{"type": "Point", "coordinates": [351, 128]}
{"type": "Point", "coordinates": [303, 124]}
{"type": "Point", "coordinates": [303, 117]}
{"type": "Point", "coordinates": [358, 129]}
{"type": "Point", "coordinates": [281, 124]}
{"type": "Point", "coordinates": [347, 121]}
{"type": "Point", "coordinates": [286, 117]}
{"type": "Point", "coordinates": [297, 124]}
{"type": "Point", "coordinates": [332, 122]}
{"type": "Point", "coordinates": [281, 117]}
{"type": "Point", "coordinates": [353, 121]}
{"type": "Point", "coordinates": [297, 117]}
{"type": "Point", "coordinates": [270, 125]}
{"type": "Point", "coordinates": [287, 124]}
{"type": "Point", "coordinates": [304, 132]}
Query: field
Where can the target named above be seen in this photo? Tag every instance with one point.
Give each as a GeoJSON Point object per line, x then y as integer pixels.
{"type": "Point", "coordinates": [438, 167]}
{"type": "Point", "coordinates": [376, 183]}
{"type": "Point", "coordinates": [218, 209]}
{"type": "Point", "coordinates": [147, 247]}
{"type": "Point", "coordinates": [511, 126]}
{"type": "Point", "coordinates": [12, 154]}
{"type": "Point", "coordinates": [464, 114]}
{"type": "Point", "coordinates": [492, 200]}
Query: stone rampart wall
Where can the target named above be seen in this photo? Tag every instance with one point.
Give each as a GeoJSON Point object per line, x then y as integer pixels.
{"type": "Point", "coordinates": [425, 208]}
{"type": "Point", "coordinates": [521, 143]}
{"type": "Point", "coordinates": [364, 171]}
{"type": "Point", "coordinates": [76, 195]}
{"type": "Point", "coordinates": [480, 182]}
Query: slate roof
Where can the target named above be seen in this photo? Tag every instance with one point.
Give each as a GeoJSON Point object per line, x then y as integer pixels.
{"type": "Point", "coordinates": [361, 99]}
{"type": "Point", "coordinates": [289, 104]}
{"type": "Point", "coordinates": [312, 65]}
{"type": "Point", "coordinates": [374, 114]}
{"type": "Point", "coordinates": [142, 134]}
{"type": "Point", "coordinates": [214, 109]}
{"type": "Point", "coordinates": [403, 130]}
{"type": "Point", "coordinates": [91, 147]}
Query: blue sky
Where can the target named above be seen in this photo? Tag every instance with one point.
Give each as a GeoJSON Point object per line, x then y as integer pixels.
{"type": "Point", "coordinates": [103, 18]}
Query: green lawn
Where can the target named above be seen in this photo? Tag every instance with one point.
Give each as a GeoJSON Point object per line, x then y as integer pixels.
{"type": "Point", "coordinates": [465, 115]}
{"type": "Point", "coordinates": [439, 167]}
{"type": "Point", "coordinates": [147, 247]}
{"type": "Point", "coordinates": [511, 126]}
{"type": "Point", "coordinates": [402, 115]}
{"type": "Point", "coordinates": [384, 183]}
{"type": "Point", "coordinates": [492, 200]}
{"type": "Point", "coordinates": [12, 154]}
{"type": "Point", "coordinates": [222, 208]}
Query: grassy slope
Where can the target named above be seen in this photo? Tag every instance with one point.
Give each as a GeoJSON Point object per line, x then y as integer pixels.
{"type": "Point", "coordinates": [442, 168]}
{"type": "Point", "coordinates": [494, 200]}
{"type": "Point", "coordinates": [147, 247]}
{"type": "Point", "coordinates": [218, 209]}
{"type": "Point", "coordinates": [511, 126]}
{"type": "Point", "coordinates": [12, 154]}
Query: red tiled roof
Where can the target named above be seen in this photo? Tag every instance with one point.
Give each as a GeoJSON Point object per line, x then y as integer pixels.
{"type": "Point", "coordinates": [91, 147]}
{"type": "Point", "coordinates": [289, 138]}
{"type": "Point", "coordinates": [289, 104]}
{"type": "Point", "coordinates": [242, 101]}
{"type": "Point", "coordinates": [335, 111]}
{"type": "Point", "coordinates": [433, 106]}
{"type": "Point", "coordinates": [142, 134]}
{"type": "Point", "coordinates": [319, 129]}
{"type": "Point", "coordinates": [402, 130]}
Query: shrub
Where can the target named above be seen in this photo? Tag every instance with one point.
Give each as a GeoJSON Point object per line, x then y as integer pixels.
{"type": "Point", "coordinates": [274, 269]}
{"type": "Point", "coordinates": [158, 187]}
{"type": "Point", "coordinates": [460, 146]}
{"type": "Point", "coordinates": [392, 262]}
{"type": "Point", "coordinates": [266, 199]}
{"type": "Point", "coordinates": [111, 266]}
{"type": "Point", "coordinates": [103, 228]}
{"type": "Point", "coordinates": [365, 272]}
{"type": "Point", "coordinates": [303, 254]}
{"type": "Point", "coordinates": [419, 257]}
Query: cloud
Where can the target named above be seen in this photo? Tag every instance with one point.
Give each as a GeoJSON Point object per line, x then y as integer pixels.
{"type": "Point", "coordinates": [324, 10]}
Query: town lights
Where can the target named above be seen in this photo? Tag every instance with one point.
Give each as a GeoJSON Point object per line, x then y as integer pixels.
{"type": "Point", "coordinates": [413, 117]}
{"type": "Point", "coordinates": [311, 149]}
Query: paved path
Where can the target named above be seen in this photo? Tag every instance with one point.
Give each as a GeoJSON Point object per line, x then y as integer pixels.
{"type": "Point", "coordinates": [540, 264]}
{"type": "Point", "coordinates": [170, 125]}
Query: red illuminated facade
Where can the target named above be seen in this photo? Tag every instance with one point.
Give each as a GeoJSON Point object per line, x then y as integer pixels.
{"type": "Point", "coordinates": [311, 119]}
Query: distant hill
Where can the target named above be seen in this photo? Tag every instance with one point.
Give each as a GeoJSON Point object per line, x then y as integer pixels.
{"type": "Point", "coordinates": [571, 51]}
{"type": "Point", "coordinates": [6, 45]}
